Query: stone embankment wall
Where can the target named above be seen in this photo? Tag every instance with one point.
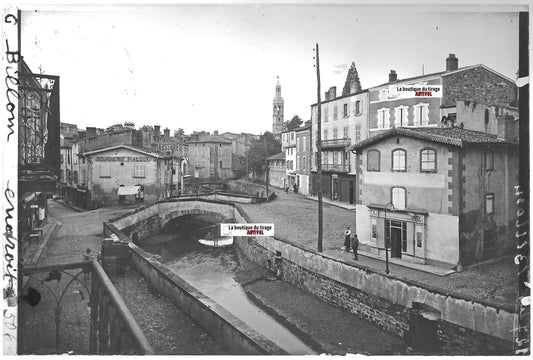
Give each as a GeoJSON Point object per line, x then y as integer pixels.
{"type": "Point", "coordinates": [461, 325]}
{"type": "Point", "coordinates": [229, 331]}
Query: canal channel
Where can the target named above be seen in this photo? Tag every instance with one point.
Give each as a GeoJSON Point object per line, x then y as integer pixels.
{"type": "Point", "coordinates": [215, 272]}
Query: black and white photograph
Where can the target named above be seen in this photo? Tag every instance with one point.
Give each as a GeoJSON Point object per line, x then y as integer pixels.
{"type": "Point", "coordinates": [266, 178]}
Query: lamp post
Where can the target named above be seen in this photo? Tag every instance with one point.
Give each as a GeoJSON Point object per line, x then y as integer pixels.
{"type": "Point", "coordinates": [391, 206]}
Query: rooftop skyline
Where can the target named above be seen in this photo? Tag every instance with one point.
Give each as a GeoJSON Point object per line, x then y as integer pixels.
{"type": "Point", "coordinates": [214, 67]}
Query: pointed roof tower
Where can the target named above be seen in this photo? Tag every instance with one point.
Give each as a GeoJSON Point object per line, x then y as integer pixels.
{"type": "Point", "coordinates": [352, 84]}
{"type": "Point", "coordinates": [278, 99]}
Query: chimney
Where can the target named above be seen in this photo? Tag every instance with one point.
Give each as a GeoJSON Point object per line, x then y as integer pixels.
{"type": "Point", "coordinates": [392, 76]}
{"type": "Point", "coordinates": [326, 96]}
{"type": "Point", "coordinates": [167, 133]}
{"type": "Point", "coordinates": [333, 92]}
{"type": "Point", "coordinates": [157, 130]}
{"type": "Point", "coordinates": [452, 63]}
{"type": "Point", "coordinates": [215, 132]}
{"type": "Point", "coordinates": [91, 132]}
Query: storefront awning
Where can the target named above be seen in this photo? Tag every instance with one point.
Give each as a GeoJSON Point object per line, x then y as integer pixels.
{"type": "Point", "coordinates": [128, 190]}
{"type": "Point", "coordinates": [27, 197]}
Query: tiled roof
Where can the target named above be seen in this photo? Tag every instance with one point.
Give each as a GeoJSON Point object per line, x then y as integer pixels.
{"type": "Point", "coordinates": [279, 156]}
{"type": "Point", "coordinates": [412, 78]}
{"type": "Point", "coordinates": [446, 135]}
{"type": "Point", "coordinates": [211, 138]}
{"type": "Point", "coordinates": [130, 147]}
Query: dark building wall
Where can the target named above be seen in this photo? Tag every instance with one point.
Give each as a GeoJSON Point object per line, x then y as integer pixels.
{"type": "Point", "coordinates": [110, 139]}
{"type": "Point", "coordinates": [485, 235]}
{"type": "Point", "coordinates": [479, 85]}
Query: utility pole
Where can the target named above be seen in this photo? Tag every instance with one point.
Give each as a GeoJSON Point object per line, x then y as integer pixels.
{"type": "Point", "coordinates": [319, 155]}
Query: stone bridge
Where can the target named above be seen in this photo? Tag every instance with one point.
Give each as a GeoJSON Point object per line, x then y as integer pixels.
{"type": "Point", "coordinates": [150, 220]}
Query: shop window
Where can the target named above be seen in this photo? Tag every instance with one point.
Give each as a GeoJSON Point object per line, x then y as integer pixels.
{"type": "Point", "coordinates": [418, 236]}
{"type": "Point", "coordinates": [374, 228]}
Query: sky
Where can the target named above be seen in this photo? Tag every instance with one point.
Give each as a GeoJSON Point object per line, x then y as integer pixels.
{"type": "Point", "coordinates": [215, 67]}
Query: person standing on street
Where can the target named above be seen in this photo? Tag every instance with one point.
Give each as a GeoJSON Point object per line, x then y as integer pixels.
{"type": "Point", "coordinates": [347, 234]}
{"type": "Point", "coordinates": [355, 246]}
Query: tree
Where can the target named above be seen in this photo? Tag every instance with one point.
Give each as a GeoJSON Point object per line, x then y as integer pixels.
{"type": "Point", "coordinates": [352, 84]}
{"type": "Point", "coordinates": [179, 134]}
{"type": "Point", "coordinates": [294, 123]}
{"type": "Point", "coordinates": [257, 153]}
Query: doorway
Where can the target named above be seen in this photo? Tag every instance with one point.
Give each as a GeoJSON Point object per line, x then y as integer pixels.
{"type": "Point", "coordinates": [398, 237]}
{"type": "Point", "coordinates": [335, 189]}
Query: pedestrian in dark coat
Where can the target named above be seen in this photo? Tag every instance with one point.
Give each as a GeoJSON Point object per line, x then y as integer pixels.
{"type": "Point", "coordinates": [355, 246]}
{"type": "Point", "coordinates": [347, 234]}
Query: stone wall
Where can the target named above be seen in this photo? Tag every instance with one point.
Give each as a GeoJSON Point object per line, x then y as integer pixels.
{"type": "Point", "coordinates": [465, 326]}
{"type": "Point", "coordinates": [228, 330]}
{"type": "Point", "coordinates": [479, 85]}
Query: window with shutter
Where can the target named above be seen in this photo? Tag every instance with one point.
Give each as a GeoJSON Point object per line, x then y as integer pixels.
{"type": "Point", "coordinates": [373, 160]}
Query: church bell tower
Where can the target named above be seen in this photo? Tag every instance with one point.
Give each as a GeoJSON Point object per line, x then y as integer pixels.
{"type": "Point", "coordinates": [278, 118]}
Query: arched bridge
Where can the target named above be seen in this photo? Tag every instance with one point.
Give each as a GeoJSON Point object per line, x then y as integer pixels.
{"type": "Point", "coordinates": [152, 219]}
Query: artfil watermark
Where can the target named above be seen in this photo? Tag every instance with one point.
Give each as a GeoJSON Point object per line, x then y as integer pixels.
{"type": "Point", "coordinates": [415, 91]}
{"type": "Point", "coordinates": [247, 229]}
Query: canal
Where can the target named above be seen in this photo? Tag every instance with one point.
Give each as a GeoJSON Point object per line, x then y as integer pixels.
{"type": "Point", "coordinates": [215, 272]}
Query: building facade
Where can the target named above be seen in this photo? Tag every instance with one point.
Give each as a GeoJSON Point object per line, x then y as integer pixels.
{"type": "Point", "coordinates": [288, 146]}
{"type": "Point", "coordinates": [439, 196]}
{"type": "Point", "coordinates": [477, 83]}
{"type": "Point", "coordinates": [303, 158]}
{"type": "Point", "coordinates": [124, 173]}
{"type": "Point", "coordinates": [277, 175]}
{"type": "Point", "coordinates": [344, 123]}
{"type": "Point", "coordinates": [210, 156]}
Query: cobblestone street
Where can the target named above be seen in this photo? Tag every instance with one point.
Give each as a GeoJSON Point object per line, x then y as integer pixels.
{"type": "Point", "coordinates": [295, 217]}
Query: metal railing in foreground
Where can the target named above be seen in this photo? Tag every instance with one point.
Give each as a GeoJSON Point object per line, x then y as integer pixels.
{"type": "Point", "coordinates": [113, 329]}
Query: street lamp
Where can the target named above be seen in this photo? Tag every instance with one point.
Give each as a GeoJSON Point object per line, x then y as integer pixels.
{"type": "Point", "coordinates": [391, 206]}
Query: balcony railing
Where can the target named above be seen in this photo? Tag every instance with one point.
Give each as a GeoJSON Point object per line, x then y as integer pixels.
{"type": "Point", "coordinates": [335, 143]}
{"type": "Point", "coordinates": [336, 167]}
{"type": "Point", "coordinates": [112, 328]}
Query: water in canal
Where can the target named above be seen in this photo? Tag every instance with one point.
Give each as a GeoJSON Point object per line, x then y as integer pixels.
{"type": "Point", "coordinates": [213, 272]}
